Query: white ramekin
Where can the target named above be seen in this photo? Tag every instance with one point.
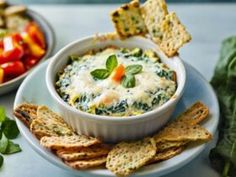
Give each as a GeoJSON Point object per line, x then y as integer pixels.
{"type": "Point", "coordinates": [113, 129]}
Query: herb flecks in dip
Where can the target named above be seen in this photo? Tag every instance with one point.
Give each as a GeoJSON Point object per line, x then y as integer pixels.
{"type": "Point", "coordinates": [116, 82]}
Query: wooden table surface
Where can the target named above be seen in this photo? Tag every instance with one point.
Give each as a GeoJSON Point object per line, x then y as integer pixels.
{"type": "Point", "coordinates": [209, 24]}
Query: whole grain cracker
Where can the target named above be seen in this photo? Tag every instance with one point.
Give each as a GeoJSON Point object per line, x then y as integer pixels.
{"type": "Point", "coordinates": [167, 154]}
{"type": "Point", "coordinates": [85, 164]}
{"type": "Point", "coordinates": [127, 157]}
{"type": "Point", "coordinates": [41, 128]}
{"type": "Point", "coordinates": [173, 35]}
{"type": "Point", "coordinates": [162, 146]}
{"type": "Point", "coordinates": [181, 131]}
{"type": "Point", "coordinates": [46, 114]}
{"type": "Point", "coordinates": [68, 142]}
{"type": "Point", "coordinates": [84, 153]}
{"type": "Point", "coordinates": [128, 20]}
{"type": "Point", "coordinates": [49, 123]}
{"type": "Point", "coordinates": [26, 113]}
{"type": "Point", "coordinates": [194, 114]}
{"type": "Point", "coordinates": [153, 13]}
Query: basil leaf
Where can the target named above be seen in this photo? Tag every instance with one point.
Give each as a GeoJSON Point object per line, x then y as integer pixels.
{"type": "Point", "coordinates": [10, 129]}
{"type": "Point", "coordinates": [3, 143]}
{"type": "Point", "coordinates": [111, 63]}
{"type": "Point", "coordinates": [2, 114]}
{"type": "Point", "coordinates": [100, 73]}
{"type": "Point", "coordinates": [133, 69]}
{"type": "Point", "coordinates": [128, 81]}
{"type": "Point", "coordinates": [1, 161]}
{"type": "Point", "coordinates": [12, 148]}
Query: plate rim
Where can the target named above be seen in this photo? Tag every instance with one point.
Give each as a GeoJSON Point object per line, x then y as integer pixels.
{"type": "Point", "coordinates": [60, 164]}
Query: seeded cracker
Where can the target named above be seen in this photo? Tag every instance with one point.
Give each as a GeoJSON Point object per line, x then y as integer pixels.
{"type": "Point", "coordinates": [68, 142]}
{"type": "Point", "coordinates": [125, 158]}
{"type": "Point", "coordinates": [26, 113]}
{"type": "Point", "coordinates": [85, 164]}
{"type": "Point", "coordinates": [153, 12]}
{"type": "Point", "coordinates": [162, 146]}
{"type": "Point", "coordinates": [49, 123]}
{"type": "Point", "coordinates": [174, 35]}
{"type": "Point", "coordinates": [194, 114]}
{"type": "Point", "coordinates": [128, 20]}
{"type": "Point", "coordinates": [181, 131]}
{"type": "Point", "coordinates": [167, 154]}
{"type": "Point", "coordinates": [84, 153]}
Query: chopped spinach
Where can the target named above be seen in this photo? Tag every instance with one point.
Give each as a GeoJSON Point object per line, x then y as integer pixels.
{"type": "Point", "coordinates": [141, 106]}
{"type": "Point", "coordinates": [120, 108]}
{"type": "Point", "coordinates": [82, 102]}
{"type": "Point", "coordinates": [163, 72]}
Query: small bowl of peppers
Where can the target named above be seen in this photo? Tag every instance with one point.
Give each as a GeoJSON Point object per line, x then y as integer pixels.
{"type": "Point", "coordinates": [26, 39]}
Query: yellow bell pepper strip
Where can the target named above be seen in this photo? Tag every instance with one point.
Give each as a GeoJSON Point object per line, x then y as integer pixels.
{"type": "Point", "coordinates": [1, 75]}
{"type": "Point", "coordinates": [34, 48]}
{"type": "Point", "coordinates": [36, 34]}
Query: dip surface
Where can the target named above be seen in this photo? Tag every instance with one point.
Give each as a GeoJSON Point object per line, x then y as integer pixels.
{"type": "Point", "coordinates": [151, 87]}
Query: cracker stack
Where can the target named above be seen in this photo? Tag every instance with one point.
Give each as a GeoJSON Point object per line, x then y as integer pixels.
{"type": "Point", "coordinates": [154, 20]}
{"type": "Point", "coordinates": [77, 151]}
{"type": "Point", "coordinates": [82, 152]}
{"type": "Point", "coordinates": [173, 139]}
{"type": "Point", "coordinates": [127, 157]}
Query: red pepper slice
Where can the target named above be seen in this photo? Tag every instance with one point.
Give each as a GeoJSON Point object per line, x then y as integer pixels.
{"type": "Point", "coordinates": [15, 68]}
{"type": "Point", "coordinates": [12, 50]}
{"type": "Point", "coordinates": [36, 34]}
{"type": "Point", "coordinates": [30, 61]}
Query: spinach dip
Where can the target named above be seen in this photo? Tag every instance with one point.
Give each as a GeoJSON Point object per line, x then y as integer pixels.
{"type": "Point", "coordinates": [116, 82]}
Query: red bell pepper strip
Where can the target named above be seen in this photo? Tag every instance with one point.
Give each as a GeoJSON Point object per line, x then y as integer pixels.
{"type": "Point", "coordinates": [1, 75]}
{"type": "Point", "coordinates": [12, 49]}
{"type": "Point", "coordinates": [36, 34]}
{"type": "Point", "coordinates": [15, 68]}
{"type": "Point", "coordinates": [30, 61]}
{"type": "Point", "coordinates": [35, 49]}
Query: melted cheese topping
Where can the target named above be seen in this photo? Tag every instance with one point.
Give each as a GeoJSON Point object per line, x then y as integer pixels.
{"type": "Point", "coordinates": [107, 93]}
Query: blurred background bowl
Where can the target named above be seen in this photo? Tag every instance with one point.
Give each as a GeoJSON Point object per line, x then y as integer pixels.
{"type": "Point", "coordinates": [50, 41]}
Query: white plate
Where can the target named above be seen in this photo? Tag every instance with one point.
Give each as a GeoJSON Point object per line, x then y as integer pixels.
{"type": "Point", "coordinates": [34, 90]}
